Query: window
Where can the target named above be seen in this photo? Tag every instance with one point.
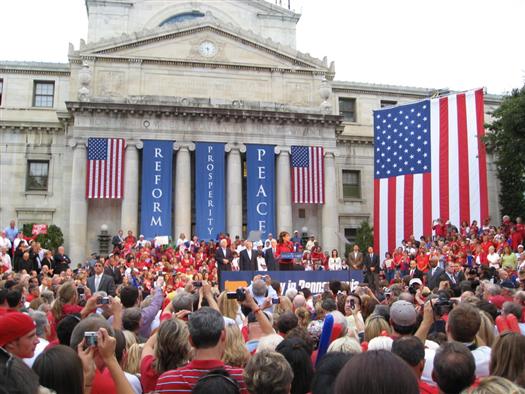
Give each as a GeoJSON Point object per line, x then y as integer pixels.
{"type": "Point", "coordinates": [347, 109]}
{"type": "Point", "coordinates": [351, 184]}
{"type": "Point", "coordinates": [1, 90]}
{"type": "Point", "coordinates": [301, 213]}
{"type": "Point", "coordinates": [43, 94]}
{"type": "Point", "coordinates": [388, 103]}
{"type": "Point", "coordinates": [351, 236]}
{"type": "Point", "coordinates": [37, 175]}
{"type": "Point", "coordinates": [185, 16]}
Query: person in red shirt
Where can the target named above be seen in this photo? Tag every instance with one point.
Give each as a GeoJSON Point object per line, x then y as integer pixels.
{"type": "Point", "coordinates": [208, 338]}
{"type": "Point", "coordinates": [284, 245]}
{"type": "Point", "coordinates": [412, 350]}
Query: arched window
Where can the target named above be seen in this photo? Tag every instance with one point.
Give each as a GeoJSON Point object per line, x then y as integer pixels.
{"type": "Point", "coordinates": [185, 16]}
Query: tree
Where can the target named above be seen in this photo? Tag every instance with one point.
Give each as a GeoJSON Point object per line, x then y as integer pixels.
{"type": "Point", "coordinates": [365, 236]}
{"type": "Point", "coordinates": [50, 241]}
{"type": "Point", "coordinates": [506, 141]}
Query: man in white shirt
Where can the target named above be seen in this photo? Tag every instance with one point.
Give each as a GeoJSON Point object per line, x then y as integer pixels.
{"type": "Point", "coordinates": [4, 241]}
{"type": "Point", "coordinates": [462, 326]}
{"type": "Point", "coordinates": [42, 332]}
{"type": "Point", "coordinates": [5, 260]}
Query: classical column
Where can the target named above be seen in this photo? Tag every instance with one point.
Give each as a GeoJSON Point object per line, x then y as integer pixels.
{"type": "Point", "coordinates": [284, 191]}
{"type": "Point", "coordinates": [78, 208]}
{"type": "Point", "coordinates": [183, 189]}
{"type": "Point", "coordinates": [234, 189]}
{"type": "Point", "coordinates": [330, 219]}
{"type": "Point", "coordinates": [129, 210]}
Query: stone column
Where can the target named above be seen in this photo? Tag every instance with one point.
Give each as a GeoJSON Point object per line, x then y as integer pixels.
{"type": "Point", "coordinates": [78, 208]}
{"type": "Point", "coordinates": [183, 189]}
{"type": "Point", "coordinates": [234, 189]}
{"type": "Point", "coordinates": [284, 191]}
{"type": "Point", "coordinates": [330, 219]}
{"type": "Point", "coordinates": [129, 210]}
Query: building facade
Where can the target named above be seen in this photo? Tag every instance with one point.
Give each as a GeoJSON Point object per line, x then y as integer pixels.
{"type": "Point", "coordinates": [188, 72]}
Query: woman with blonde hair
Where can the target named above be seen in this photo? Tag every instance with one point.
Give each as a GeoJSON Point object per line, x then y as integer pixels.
{"type": "Point", "coordinates": [235, 352]}
{"type": "Point", "coordinates": [303, 316]}
{"type": "Point", "coordinates": [507, 358]}
{"type": "Point", "coordinates": [374, 326]}
{"type": "Point", "coordinates": [345, 345]}
{"type": "Point", "coordinates": [132, 363]}
{"type": "Point", "coordinates": [486, 335]}
{"type": "Point", "coordinates": [496, 385]}
{"type": "Point", "coordinates": [230, 308]}
{"type": "Point", "coordinates": [167, 349]}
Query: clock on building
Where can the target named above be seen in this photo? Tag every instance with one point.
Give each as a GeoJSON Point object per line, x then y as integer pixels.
{"type": "Point", "coordinates": [207, 49]}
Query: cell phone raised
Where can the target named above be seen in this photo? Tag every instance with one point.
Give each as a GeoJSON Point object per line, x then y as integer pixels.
{"type": "Point", "coordinates": [276, 301]}
{"type": "Point", "coordinates": [103, 300]}
{"type": "Point", "coordinates": [197, 283]}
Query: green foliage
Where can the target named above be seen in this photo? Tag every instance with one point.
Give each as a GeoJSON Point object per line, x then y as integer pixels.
{"type": "Point", "coordinates": [506, 141]}
{"type": "Point", "coordinates": [50, 241]}
{"type": "Point", "coordinates": [365, 236]}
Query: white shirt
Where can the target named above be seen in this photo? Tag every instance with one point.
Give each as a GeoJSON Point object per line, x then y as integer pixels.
{"type": "Point", "coordinates": [334, 263]}
{"type": "Point", "coordinates": [98, 278]}
{"type": "Point", "coordinates": [134, 382]}
{"type": "Point", "coordinates": [5, 261]}
{"type": "Point", "coordinates": [481, 357]}
{"type": "Point", "coordinates": [5, 243]}
{"type": "Point", "coordinates": [39, 349]}
{"type": "Point", "coordinates": [261, 264]}
{"type": "Point", "coordinates": [494, 260]}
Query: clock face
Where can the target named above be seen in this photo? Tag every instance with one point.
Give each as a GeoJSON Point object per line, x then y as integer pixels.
{"type": "Point", "coordinates": [207, 49]}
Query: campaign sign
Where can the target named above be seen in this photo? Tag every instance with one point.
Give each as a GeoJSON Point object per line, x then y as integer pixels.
{"type": "Point", "coordinates": [209, 190]}
{"type": "Point", "coordinates": [313, 280]}
{"type": "Point", "coordinates": [39, 229]}
{"type": "Point", "coordinates": [260, 163]}
{"type": "Point", "coordinates": [157, 177]}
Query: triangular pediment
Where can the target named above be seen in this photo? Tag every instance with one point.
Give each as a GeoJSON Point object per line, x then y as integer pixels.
{"type": "Point", "coordinates": [206, 41]}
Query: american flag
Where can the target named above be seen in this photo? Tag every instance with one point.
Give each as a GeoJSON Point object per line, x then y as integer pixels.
{"type": "Point", "coordinates": [105, 168]}
{"type": "Point", "coordinates": [429, 162]}
{"type": "Point", "coordinates": [307, 175]}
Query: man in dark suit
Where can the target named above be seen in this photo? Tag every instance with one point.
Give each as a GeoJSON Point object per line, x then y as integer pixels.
{"type": "Point", "coordinates": [248, 258]}
{"type": "Point", "coordinates": [113, 270]}
{"type": "Point", "coordinates": [451, 277]}
{"type": "Point", "coordinates": [434, 273]}
{"type": "Point", "coordinates": [355, 259]}
{"type": "Point", "coordinates": [414, 272]}
{"type": "Point", "coordinates": [223, 256]}
{"type": "Point", "coordinates": [269, 256]}
{"type": "Point", "coordinates": [101, 282]}
{"type": "Point", "coordinates": [118, 240]}
{"type": "Point", "coordinates": [371, 263]}
{"type": "Point", "coordinates": [61, 261]}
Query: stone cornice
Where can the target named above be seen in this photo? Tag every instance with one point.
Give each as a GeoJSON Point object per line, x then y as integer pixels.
{"type": "Point", "coordinates": [208, 23]}
{"type": "Point", "coordinates": [354, 140]}
{"type": "Point", "coordinates": [31, 126]}
{"type": "Point", "coordinates": [217, 113]}
{"type": "Point", "coordinates": [34, 68]}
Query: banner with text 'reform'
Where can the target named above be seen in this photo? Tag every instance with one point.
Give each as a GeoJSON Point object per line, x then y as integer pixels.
{"type": "Point", "coordinates": [157, 178]}
{"type": "Point", "coordinates": [209, 190]}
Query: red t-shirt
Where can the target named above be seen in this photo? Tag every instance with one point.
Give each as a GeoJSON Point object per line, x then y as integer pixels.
{"type": "Point", "coordinates": [148, 374]}
{"type": "Point", "coordinates": [425, 388]}
{"type": "Point", "coordinates": [182, 380]}
{"type": "Point", "coordinates": [103, 383]}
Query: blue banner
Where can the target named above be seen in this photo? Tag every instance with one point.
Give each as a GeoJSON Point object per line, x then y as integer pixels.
{"type": "Point", "coordinates": [260, 162]}
{"type": "Point", "coordinates": [209, 190]}
{"type": "Point", "coordinates": [314, 280]}
{"type": "Point", "coordinates": [157, 175]}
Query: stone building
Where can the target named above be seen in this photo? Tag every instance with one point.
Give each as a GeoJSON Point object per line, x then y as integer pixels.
{"type": "Point", "coordinates": [195, 71]}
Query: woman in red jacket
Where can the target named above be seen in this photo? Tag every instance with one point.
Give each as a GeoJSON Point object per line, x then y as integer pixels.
{"type": "Point", "coordinates": [284, 245]}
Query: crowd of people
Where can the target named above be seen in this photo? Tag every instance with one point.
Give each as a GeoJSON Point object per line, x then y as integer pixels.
{"type": "Point", "coordinates": [440, 314]}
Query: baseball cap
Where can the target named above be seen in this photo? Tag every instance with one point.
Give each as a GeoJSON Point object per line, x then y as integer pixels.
{"type": "Point", "coordinates": [403, 313]}
{"type": "Point", "coordinates": [14, 325]}
{"type": "Point", "coordinates": [415, 281]}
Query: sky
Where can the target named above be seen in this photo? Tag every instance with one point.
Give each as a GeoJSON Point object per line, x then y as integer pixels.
{"type": "Point", "coordinates": [454, 44]}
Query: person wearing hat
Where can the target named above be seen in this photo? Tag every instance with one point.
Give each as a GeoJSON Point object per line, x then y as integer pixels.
{"type": "Point", "coordinates": [403, 319]}
{"type": "Point", "coordinates": [18, 334]}
{"type": "Point", "coordinates": [296, 239]}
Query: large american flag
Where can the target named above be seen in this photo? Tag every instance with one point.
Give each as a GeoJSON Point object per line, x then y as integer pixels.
{"type": "Point", "coordinates": [429, 163]}
{"type": "Point", "coordinates": [307, 175]}
{"type": "Point", "coordinates": [105, 168]}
